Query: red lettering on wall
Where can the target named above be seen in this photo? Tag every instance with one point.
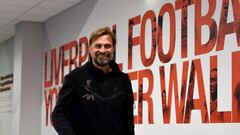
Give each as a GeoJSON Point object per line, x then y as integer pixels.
{"type": "Point", "coordinates": [215, 116]}
{"type": "Point", "coordinates": [167, 98]}
{"type": "Point", "coordinates": [73, 46]}
{"type": "Point", "coordinates": [228, 28]}
{"type": "Point", "coordinates": [140, 96]}
{"type": "Point", "coordinates": [183, 4]}
{"type": "Point", "coordinates": [49, 95]}
{"type": "Point", "coordinates": [196, 104]}
{"type": "Point", "coordinates": [147, 95]}
{"type": "Point", "coordinates": [132, 41]}
{"type": "Point", "coordinates": [83, 42]}
{"type": "Point", "coordinates": [48, 105]}
{"type": "Point", "coordinates": [65, 61]}
{"type": "Point", "coordinates": [56, 64]}
{"type": "Point", "coordinates": [167, 8]}
{"type": "Point", "coordinates": [236, 87]}
{"type": "Point", "coordinates": [47, 83]}
{"type": "Point", "coordinates": [149, 15]}
{"type": "Point", "coordinates": [206, 20]}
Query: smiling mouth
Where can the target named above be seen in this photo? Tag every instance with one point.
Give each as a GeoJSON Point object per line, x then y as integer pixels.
{"type": "Point", "coordinates": [102, 56]}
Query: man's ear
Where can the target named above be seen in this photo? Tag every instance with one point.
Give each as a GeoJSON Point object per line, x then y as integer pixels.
{"type": "Point", "coordinates": [114, 52]}
{"type": "Point", "coordinates": [89, 48]}
{"type": "Point", "coordinates": [89, 53]}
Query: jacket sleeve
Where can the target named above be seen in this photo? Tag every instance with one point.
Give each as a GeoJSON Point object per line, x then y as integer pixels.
{"type": "Point", "coordinates": [62, 108]}
{"type": "Point", "coordinates": [128, 113]}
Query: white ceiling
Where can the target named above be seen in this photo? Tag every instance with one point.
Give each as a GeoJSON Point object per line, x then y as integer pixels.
{"type": "Point", "coordinates": [15, 11]}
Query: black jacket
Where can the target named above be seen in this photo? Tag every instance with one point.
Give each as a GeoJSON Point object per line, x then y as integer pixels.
{"type": "Point", "coordinates": [92, 103]}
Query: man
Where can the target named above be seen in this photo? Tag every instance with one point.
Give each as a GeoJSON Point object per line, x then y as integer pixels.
{"type": "Point", "coordinates": [97, 98]}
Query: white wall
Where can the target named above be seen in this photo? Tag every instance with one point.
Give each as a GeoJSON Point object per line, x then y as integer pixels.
{"type": "Point", "coordinates": [6, 64]}
{"type": "Point", "coordinates": [29, 104]}
{"type": "Point", "coordinates": [6, 56]}
{"type": "Point", "coordinates": [89, 15]}
{"type": "Point", "coordinates": [28, 79]}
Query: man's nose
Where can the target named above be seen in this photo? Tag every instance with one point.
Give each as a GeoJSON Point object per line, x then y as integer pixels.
{"type": "Point", "coordinates": [102, 49]}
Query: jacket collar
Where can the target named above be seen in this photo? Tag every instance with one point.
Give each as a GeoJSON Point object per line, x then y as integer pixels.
{"type": "Point", "coordinates": [99, 75]}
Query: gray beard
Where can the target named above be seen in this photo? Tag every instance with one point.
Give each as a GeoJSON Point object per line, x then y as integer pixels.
{"type": "Point", "coordinates": [102, 61]}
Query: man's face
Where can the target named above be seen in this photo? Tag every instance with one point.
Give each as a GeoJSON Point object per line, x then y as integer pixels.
{"type": "Point", "coordinates": [102, 50]}
{"type": "Point", "coordinates": [213, 83]}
